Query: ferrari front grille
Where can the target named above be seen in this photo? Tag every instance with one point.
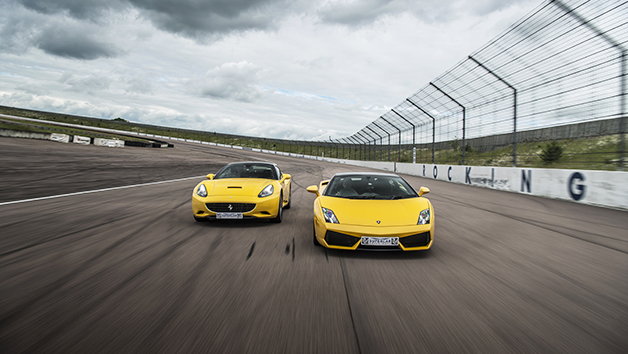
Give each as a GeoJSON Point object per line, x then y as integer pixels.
{"type": "Point", "coordinates": [337, 239]}
{"type": "Point", "coordinates": [418, 240]}
{"type": "Point", "coordinates": [230, 207]}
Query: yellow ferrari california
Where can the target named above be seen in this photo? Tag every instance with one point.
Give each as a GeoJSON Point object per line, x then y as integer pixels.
{"type": "Point", "coordinates": [372, 211]}
{"type": "Point", "coordinates": [243, 190]}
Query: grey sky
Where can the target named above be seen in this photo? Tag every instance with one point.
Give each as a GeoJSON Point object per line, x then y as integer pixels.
{"type": "Point", "coordinates": [295, 69]}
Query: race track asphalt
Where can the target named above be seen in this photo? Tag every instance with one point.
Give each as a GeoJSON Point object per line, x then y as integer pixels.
{"type": "Point", "coordinates": [130, 271]}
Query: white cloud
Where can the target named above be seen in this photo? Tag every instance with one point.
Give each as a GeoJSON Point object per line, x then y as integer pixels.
{"type": "Point", "coordinates": [273, 68]}
{"type": "Point", "coordinates": [237, 81]}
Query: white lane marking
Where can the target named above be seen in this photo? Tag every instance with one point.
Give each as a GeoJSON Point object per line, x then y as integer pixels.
{"type": "Point", "coordinates": [97, 190]}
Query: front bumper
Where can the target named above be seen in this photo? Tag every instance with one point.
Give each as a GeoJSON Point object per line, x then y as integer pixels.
{"type": "Point", "coordinates": [347, 237]}
{"type": "Point", "coordinates": [264, 208]}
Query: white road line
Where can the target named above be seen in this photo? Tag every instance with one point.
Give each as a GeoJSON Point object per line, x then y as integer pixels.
{"type": "Point", "coordinates": [97, 190]}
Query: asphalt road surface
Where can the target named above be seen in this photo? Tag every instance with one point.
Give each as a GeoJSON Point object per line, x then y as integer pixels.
{"type": "Point", "coordinates": [130, 271]}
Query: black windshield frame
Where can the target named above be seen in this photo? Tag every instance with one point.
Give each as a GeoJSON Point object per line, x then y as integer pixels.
{"type": "Point", "coordinates": [362, 186]}
{"type": "Point", "coordinates": [248, 170]}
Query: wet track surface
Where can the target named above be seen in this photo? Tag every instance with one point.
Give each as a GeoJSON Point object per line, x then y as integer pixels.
{"type": "Point", "coordinates": [130, 271]}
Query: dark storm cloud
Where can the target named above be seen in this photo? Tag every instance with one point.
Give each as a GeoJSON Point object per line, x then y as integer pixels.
{"type": "Point", "coordinates": [365, 12]}
{"type": "Point", "coordinates": [73, 43]}
{"type": "Point", "coordinates": [79, 28]}
{"type": "Point", "coordinates": [22, 28]}
{"type": "Point", "coordinates": [196, 19]}
{"type": "Point", "coordinates": [200, 19]}
{"type": "Point", "coordinates": [16, 32]}
{"type": "Point", "coordinates": [80, 9]}
{"type": "Point", "coordinates": [359, 13]}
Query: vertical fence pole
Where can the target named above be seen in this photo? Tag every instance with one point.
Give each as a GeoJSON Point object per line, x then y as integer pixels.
{"type": "Point", "coordinates": [384, 119]}
{"type": "Point", "coordinates": [413, 133]}
{"type": "Point", "coordinates": [464, 117]}
{"type": "Point", "coordinates": [514, 107]}
{"type": "Point", "coordinates": [622, 119]}
{"type": "Point", "coordinates": [433, 127]}
{"type": "Point", "coordinates": [366, 149]}
{"type": "Point", "coordinates": [388, 139]}
{"type": "Point", "coordinates": [375, 142]}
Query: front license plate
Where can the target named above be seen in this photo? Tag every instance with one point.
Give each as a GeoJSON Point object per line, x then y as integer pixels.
{"type": "Point", "coordinates": [379, 241]}
{"type": "Point", "coordinates": [228, 215]}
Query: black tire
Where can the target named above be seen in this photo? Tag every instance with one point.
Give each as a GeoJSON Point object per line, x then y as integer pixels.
{"type": "Point", "coordinates": [277, 219]}
{"type": "Point", "coordinates": [289, 198]}
{"type": "Point", "coordinates": [201, 219]}
{"type": "Point", "coordinates": [316, 243]}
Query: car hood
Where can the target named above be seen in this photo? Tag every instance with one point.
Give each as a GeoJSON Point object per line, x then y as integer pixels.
{"type": "Point", "coordinates": [365, 212]}
{"type": "Point", "coordinates": [236, 186]}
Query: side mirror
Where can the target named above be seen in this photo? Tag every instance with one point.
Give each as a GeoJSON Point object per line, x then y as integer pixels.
{"type": "Point", "coordinates": [286, 176]}
{"type": "Point", "coordinates": [313, 189]}
{"type": "Point", "coordinates": [423, 190]}
{"type": "Point", "coordinates": [210, 176]}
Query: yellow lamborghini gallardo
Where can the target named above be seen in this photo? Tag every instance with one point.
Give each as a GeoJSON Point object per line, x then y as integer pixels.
{"type": "Point", "coordinates": [243, 190]}
{"type": "Point", "coordinates": [372, 211]}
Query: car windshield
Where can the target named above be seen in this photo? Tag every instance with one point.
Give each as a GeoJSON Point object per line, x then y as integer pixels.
{"type": "Point", "coordinates": [247, 170]}
{"type": "Point", "coordinates": [369, 187]}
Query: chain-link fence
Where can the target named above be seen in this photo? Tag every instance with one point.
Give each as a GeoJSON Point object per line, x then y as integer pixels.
{"type": "Point", "coordinates": [557, 74]}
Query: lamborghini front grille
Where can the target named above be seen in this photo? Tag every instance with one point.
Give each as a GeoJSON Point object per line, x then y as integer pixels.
{"type": "Point", "coordinates": [418, 240]}
{"type": "Point", "coordinates": [338, 239]}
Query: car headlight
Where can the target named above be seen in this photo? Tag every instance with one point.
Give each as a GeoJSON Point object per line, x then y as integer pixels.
{"type": "Point", "coordinates": [424, 217]}
{"type": "Point", "coordinates": [269, 190]}
{"type": "Point", "coordinates": [201, 191]}
{"type": "Point", "coordinates": [330, 217]}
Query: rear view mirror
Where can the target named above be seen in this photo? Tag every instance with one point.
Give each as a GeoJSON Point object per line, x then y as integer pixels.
{"type": "Point", "coordinates": [313, 189]}
{"type": "Point", "coordinates": [423, 190]}
{"type": "Point", "coordinates": [210, 176]}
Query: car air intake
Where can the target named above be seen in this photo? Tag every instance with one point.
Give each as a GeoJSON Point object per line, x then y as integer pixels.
{"type": "Point", "coordinates": [418, 240]}
{"type": "Point", "coordinates": [337, 239]}
{"type": "Point", "coordinates": [230, 207]}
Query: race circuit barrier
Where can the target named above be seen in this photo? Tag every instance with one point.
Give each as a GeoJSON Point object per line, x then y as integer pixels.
{"type": "Point", "coordinates": [601, 188]}
{"type": "Point", "coordinates": [61, 138]}
{"type": "Point", "coordinates": [81, 140]}
{"type": "Point", "coordinates": [108, 142]}
{"type": "Point", "coordinates": [23, 134]}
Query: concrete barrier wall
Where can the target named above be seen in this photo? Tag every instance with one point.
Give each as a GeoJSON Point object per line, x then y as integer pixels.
{"type": "Point", "coordinates": [77, 139]}
{"type": "Point", "coordinates": [108, 142]}
{"type": "Point", "coordinates": [25, 135]}
{"type": "Point", "coordinates": [61, 138]}
{"type": "Point", "coordinates": [600, 188]}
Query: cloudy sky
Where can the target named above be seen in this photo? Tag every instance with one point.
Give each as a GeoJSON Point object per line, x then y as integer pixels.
{"type": "Point", "coordinates": [292, 69]}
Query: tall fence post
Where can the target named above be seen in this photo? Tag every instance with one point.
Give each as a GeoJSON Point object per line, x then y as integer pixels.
{"type": "Point", "coordinates": [399, 158]}
{"type": "Point", "coordinates": [514, 107]}
{"type": "Point", "coordinates": [413, 135]}
{"type": "Point", "coordinates": [367, 154]}
{"type": "Point", "coordinates": [387, 133]}
{"type": "Point", "coordinates": [464, 117]}
{"type": "Point", "coordinates": [433, 127]}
